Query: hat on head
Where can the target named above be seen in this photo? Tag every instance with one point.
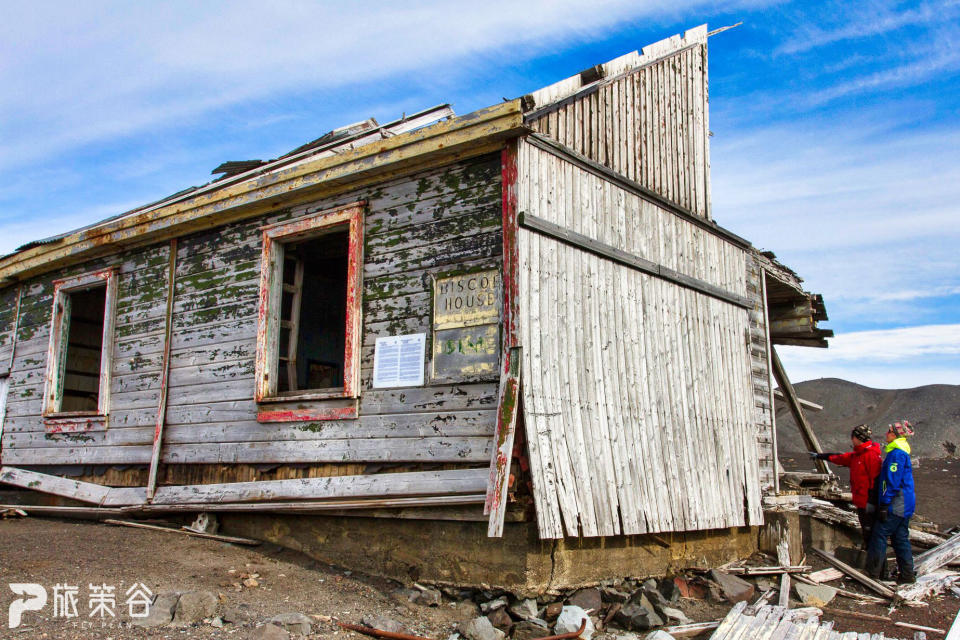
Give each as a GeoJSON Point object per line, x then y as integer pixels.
{"type": "Point", "coordinates": [862, 433]}
{"type": "Point", "coordinates": [902, 428]}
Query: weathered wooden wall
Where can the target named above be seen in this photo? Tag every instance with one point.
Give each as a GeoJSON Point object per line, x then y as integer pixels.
{"type": "Point", "coordinates": [638, 398]}
{"type": "Point", "coordinates": [647, 119]}
{"type": "Point", "coordinates": [760, 375]}
{"type": "Point", "coordinates": [432, 222]}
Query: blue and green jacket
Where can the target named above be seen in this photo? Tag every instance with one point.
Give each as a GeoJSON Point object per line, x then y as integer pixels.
{"type": "Point", "coordinates": [896, 480]}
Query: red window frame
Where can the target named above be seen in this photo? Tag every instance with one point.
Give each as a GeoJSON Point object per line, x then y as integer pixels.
{"type": "Point", "coordinates": [68, 421]}
{"type": "Point", "coordinates": [349, 216]}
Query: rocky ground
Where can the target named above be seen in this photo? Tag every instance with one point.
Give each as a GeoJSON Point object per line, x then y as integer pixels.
{"type": "Point", "coordinates": [208, 589]}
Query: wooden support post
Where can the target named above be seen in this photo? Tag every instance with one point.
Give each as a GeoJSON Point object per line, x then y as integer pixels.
{"type": "Point", "coordinates": [783, 557]}
{"type": "Point", "coordinates": [165, 372]}
{"type": "Point", "coordinates": [809, 437]}
{"type": "Point", "coordinates": [507, 409]}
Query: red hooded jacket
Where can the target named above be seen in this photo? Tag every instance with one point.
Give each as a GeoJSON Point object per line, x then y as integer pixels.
{"type": "Point", "coordinates": [864, 462]}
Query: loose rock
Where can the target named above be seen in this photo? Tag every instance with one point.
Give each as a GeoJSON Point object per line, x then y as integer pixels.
{"type": "Point", "coordinates": [235, 615]}
{"type": "Point", "coordinates": [659, 634]}
{"type": "Point", "coordinates": [733, 588]}
{"type": "Point", "coordinates": [383, 623]}
{"type": "Point", "coordinates": [633, 616]}
{"type": "Point", "coordinates": [481, 629]}
{"type": "Point", "coordinates": [674, 615]}
{"type": "Point", "coordinates": [428, 597]}
{"type": "Point", "coordinates": [611, 594]}
{"type": "Point", "coordinates": [268, 632]}
{"type": "Point", "coordinates": [161, 611]}
{"type": "Point", "coordinates": [493, 605]}
{"type": "Point", "coordinates": [814, 596]}
{"type": "Point", "coordinates": [524, 609]}
{"type": "Point", "coordinates": [586, 599]}
{"type": "Point", "coordinates": [529, 630]}
{"type": "Point", "coordinates": [194, 606]}
{"type": "Point", "coordinates": [570, 619]}
{"type": "Point", "coordinates": [467, 610]}
{"type": "Point", "coordinates": [293, 623]}
{"type": "Point", "coordinates": [500, 619]}
{"type": "Point", "coordinates": [551, 611]}
{"type": "Point", "coordinates": [669, 590]}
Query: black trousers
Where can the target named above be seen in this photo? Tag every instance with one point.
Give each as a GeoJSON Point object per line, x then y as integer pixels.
{"type": "Point", "coordinates": [867, 520]}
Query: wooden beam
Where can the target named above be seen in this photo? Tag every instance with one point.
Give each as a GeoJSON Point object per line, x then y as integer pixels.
{"type": "Point", "coordinates": [836, 515]}
{"type": "Point", "coordinates": [184, 532]}
{"type": "Point", "coordinates": [81, 513]}
{"type": "Point", "coordinates": [941, 555]}
{"type": "Point", "coordinates": [863, 579]}
{"type": "Point", "coordinates": [311, 506]}
{"type": "Point", "coordinates": [809, 437]}
{"type": "Point", "coordinates": [603, 250]}
{"type": "Point", "coordinates": [805, 403]}
{"type": "Point", "coordinates": [414, 483]}
{"type": "Point", "coordinates": [508, 408]}
{"type": "Point", "coordinates": [75, 489]}
{"type": "Point", "coordinates": [164, 371]}
{"type": "Point", "coordinates": [769, 377]}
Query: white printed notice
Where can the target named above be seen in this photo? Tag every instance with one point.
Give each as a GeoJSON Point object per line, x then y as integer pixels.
{"type": "Point", "coordinates": [398, 361]}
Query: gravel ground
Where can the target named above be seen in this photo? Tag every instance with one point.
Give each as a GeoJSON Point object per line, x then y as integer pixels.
{"type": "Point", "coordinates": [49, 552]}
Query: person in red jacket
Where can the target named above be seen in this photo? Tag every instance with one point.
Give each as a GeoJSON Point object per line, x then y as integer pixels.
{"type": "Point", "coordinates": [864, 461]}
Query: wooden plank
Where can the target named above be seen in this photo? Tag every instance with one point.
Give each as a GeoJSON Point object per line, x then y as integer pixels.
{"type": "Point", "coordinates": [508, 408]}
{"type": "Point", "coordinates": [165, 372]}
{"type": "Point", "coordinates": [941, 555]}
{"type": "Point", "coordinates": [633, 261]}
{"type": "Point", "coordinates": [193, 534]}
{"type": "Point", "coordinates": [868, 582]}
{"type": "Point", "coordinates": [75, 489]}
{"type": "Point", "coordinates": [422, 503]}
{"type": "Point", "coordinates": [465, 481]}
{"type": "Point", "coordinates": [809, 437]}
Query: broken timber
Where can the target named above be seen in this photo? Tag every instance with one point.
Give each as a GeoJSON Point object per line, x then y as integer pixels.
{"type": "Point", "coordinates": [499, 482]}
{"type": "Point", "coordinates": [193, 534]}
{"type": "Point", "coordinates": [835, 515]}
{"type": "Point", "coordinates": [863, 579]}
{"type": "Point", "coordinates": [809, 437]}
{"type": "Point", "coordinates": [416, 483]}
{"type": "Point", "coordinates": [938, 556]}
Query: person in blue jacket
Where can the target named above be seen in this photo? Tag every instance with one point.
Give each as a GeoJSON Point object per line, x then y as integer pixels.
{"type": "Point", "coordinates": [896, 502]}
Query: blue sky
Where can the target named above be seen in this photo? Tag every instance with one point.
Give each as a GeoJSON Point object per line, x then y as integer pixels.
{"type": "Point", "coordinates": [836, 132]}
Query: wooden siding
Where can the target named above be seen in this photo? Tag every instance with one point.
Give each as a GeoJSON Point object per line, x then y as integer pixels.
{"type": "Point", "coordinates": [638, 398]}
{"type": "Point", "coordinates": [760, 376]}
{"type": "Point", "coordinates": [416, 227]}
{"type": "Point", "coordinates": [647, 119]}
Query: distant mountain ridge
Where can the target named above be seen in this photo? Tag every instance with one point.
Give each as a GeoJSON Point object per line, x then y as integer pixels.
{"type": "Point", "coordinates": [934, 410]}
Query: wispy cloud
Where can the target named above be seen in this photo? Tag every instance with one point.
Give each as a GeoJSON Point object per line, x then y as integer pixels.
{"type": "Point", "coordinates": [893, 358]}
{"type": "Point", "coordinates": [861, 21]}
{"type": "Point", "coordinates": [110, 69]}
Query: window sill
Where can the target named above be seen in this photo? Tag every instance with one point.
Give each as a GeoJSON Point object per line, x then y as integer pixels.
{"type": "Point", "coordinates": [74, 422]}
{"type": "Point", "coordinates": [297, 396]}
{"type": "Point", "coordinates": [310, 412]}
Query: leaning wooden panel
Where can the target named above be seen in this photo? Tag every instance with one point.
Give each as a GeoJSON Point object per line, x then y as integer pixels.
{"type": "Point", "coordinates": [662, 437]}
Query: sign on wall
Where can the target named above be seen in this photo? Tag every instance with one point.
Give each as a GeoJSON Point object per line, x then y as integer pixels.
{"type": "Point", "coordinates": [398, 361]}
{"type": "Point", "coordinates": [466, 325]}
{"type": "Point", "coordinates": [467, 299]}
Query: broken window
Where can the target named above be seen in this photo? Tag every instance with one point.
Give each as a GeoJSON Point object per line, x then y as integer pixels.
{"type": "Point", "coordinates": [308, 342]}
{"type": "Point", "coordinates": [81, 339]}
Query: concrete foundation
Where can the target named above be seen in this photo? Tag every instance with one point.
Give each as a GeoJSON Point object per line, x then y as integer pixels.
{"type": "Point", "coordinates": [461, 553]}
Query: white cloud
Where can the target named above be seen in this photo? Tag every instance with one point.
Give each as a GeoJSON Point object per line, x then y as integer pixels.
{"type": "Point", "coordinates": [891, 358]}
{"type": "Point", "coordinates": [73, 74]}
{"type": "Point", "coordinates": [864, 20]}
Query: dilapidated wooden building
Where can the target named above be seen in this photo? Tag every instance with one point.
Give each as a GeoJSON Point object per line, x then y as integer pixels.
{"type": "Point", "coordinates": [520, 322]}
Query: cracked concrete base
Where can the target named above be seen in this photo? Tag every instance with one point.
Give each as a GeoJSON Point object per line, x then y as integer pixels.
{"type": "Point", "coordinates": [460, 553]}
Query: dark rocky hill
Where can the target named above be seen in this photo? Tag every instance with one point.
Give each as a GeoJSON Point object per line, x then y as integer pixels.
{"type": "Point", "coordinates": [934, 410]}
